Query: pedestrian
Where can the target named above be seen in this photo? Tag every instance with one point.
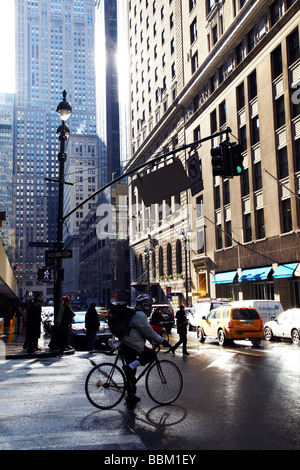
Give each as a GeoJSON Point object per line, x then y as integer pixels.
{"type": "Point", "coordinates": [156, 320]}
{"type": "Point", "coordinates": [92, 326]}
{"type": "Point", "coordinates": [181, 330]}
{"type": "Point", "coordinates": [33, 325]}
{"type": "Point", "coordinates": [63, 323]}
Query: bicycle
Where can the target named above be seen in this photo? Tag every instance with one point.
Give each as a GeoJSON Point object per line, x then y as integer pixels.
{"type": "Point", "coordinates": [106, 383]}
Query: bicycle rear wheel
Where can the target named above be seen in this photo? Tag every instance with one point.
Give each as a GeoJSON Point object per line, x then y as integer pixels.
{"type": "Point", "coordinates": [105, 385]}
{"type": "Point", "coordinates": [164, 382]}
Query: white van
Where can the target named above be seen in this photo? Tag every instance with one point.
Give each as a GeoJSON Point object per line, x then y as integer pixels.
{"type": "Point", "coordinates": [268, 309]}
{"type": "Point", "coordinates": [202, 309]}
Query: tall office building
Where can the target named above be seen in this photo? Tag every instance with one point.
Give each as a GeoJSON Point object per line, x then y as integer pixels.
{"type": "Point", "coordinates": [6, 168]}
{"type": "Point", "coordinates": [197, 67]}
{"type": "Point", "coordinates": [54, 51]}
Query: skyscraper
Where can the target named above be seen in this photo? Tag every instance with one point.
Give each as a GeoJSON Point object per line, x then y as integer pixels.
{"type": "Point", "coordinates": [54, 51]}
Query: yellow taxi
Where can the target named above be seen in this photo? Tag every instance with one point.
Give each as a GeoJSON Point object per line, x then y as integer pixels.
{"type": "Point", "coordinates": [227, 323]}
{"type": "Point", "coordinates": [102, 313]}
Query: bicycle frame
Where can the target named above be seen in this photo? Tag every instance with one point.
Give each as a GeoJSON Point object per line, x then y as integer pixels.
{"type": "Point", "coordinates": [146, 368]}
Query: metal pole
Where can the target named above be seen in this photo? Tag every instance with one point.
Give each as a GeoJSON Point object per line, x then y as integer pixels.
{"type": "Point", "coordinates": [59, 240]}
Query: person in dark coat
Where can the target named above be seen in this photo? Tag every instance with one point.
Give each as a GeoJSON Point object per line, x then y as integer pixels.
{"type": "Point", "coordinates": [33, 325]}
{"type": "Point", "coordinates": [181, 330]}
{"type": "Point", "coordinates": [63, 323]}
{"type": "Point", "coordinates": [92, 326]}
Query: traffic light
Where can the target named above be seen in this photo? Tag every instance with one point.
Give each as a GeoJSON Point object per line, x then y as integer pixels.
{"type": "Point", "coordinates": [221, 160]}
{"type": "Point", "coordinates": [237, 159]}
{"type": "Point", "coordinates": [217, 161]}
{"type": "Point", "coordinates": [227, 160]}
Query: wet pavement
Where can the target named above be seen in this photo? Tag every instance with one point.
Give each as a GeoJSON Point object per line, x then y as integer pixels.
{"type": "Point", "coordinates": [12, 339]}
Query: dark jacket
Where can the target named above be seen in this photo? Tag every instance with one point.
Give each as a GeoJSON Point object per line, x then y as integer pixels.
{"type": "Point", "coordinates": [181, 321]}
{"type": "Point", "coordinates": [33, 321]}
{"type": "Point", "coordinates": [91, 319]}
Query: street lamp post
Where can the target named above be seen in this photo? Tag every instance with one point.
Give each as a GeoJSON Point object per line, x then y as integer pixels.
{"type": "Point", "coordinates": [64, 109]}
{"type": "Point", "coordinates": [185, 235]}
{"type": "Point", "coordinates": [147, 252]}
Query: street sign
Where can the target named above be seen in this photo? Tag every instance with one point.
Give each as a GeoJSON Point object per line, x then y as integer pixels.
{"type": "Point", "coordinates": [195, 173]}
{"type": "Point", "coordinates": [55, 254]}
{"type": "Point", "coordinates": [41, 244]}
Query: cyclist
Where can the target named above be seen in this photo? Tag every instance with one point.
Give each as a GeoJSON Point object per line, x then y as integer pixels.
{"type": "Point", "coordinates": [133, 344]}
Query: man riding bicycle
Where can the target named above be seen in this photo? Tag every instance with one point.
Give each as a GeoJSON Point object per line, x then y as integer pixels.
{"type": "Point", "coordinates": [133, 344]}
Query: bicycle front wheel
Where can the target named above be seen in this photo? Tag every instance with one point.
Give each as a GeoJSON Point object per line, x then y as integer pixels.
{"type": "Point", "coordinates": [105, 385]}
{"type": "Point", "coordinates": [164, 382]}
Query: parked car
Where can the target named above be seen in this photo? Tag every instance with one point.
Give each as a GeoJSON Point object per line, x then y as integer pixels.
{"type": "Point", "coordinates": [78, 332]}
{"type": "Point", "coordinates": [286, 325]}
{"type": "Point", "coordinates": [227, 323]}
{"type": "Point", "coordinates": [48, 321]}
{"type": "Point", "coordinates": [167, 313]}
{"type": "Point", "coordinates": [202, 309]}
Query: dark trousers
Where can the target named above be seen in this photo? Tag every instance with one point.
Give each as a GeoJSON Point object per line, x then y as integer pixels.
{"type": "Point", "coordinates": [130, 355]}
{"type": "Point", "coordinates": [182, 340]}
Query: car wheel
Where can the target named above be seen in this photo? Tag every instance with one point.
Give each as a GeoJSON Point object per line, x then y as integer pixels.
{"type": "Point", "coordinates": [295, 337]}
{"type": "Point", "coordinates": [268, 333]}
{"type": "Point", "coordinates": [221, 338]}
{"type": "Point", "coordinates": [256, 342]}
{"type": "Point", "coordinates": [200, 336]}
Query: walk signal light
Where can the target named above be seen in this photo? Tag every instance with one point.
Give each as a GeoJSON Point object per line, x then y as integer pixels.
{"type": "Point", "coordinates": [44, 274]}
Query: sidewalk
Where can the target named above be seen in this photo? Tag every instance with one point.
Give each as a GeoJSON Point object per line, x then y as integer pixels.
{"type": "Point", "coordinates": [13, 339]}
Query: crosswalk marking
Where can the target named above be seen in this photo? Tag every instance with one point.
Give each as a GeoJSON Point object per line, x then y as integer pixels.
{"type": "Point", "coordinates": [100, 439]}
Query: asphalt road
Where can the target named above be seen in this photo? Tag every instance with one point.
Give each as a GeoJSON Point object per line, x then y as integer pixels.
{"type": "Point", "coordinates": [234, 398]}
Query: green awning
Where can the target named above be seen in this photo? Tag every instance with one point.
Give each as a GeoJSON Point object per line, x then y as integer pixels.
{"type": "Point", "coordinates": [255, 274]}
{"type": "Point", "coordinates": [224, 278]}
{"type": "Point", "coordinates": [285, 270]}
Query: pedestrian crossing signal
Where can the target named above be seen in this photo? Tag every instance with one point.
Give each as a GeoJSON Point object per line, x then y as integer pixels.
{"type": "Point", "coordinates": [44, 274]}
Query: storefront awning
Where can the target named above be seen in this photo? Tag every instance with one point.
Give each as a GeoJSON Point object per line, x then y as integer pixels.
{"type": "Point", "coordinates": [224, 278]}
{"type": "Point", "coordinates": [255, 274]}
{"type": "Point", "coordinates": [285, 270]}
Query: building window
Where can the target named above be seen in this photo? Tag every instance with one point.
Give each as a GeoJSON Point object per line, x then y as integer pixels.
{"type": "Point", "coordinates": [283, 163]}
{"type": "Point", "coordinates": [247, 228]}
{"type": "Point", "coordinates": [286, 216]}
{"type": "Point", "coordinates": [279, 112]}
{"type": "Point", "coordinates": [219, 244]}
{"type": "Point", "coordinates": [193, 31]}
{"type": "Point", "coordinates": [276, 62]}
{"type": "Point", "coordinates": [260, 224]}
{"type": "Point", "coordinates": [293, 47]}
{"type": "Point", "coordinates": [240, 96]}
{"type": "Point", "coordinates": [169, 260]}
{"type": "Point", "coordinates": [257, 176]}
{"type": "Point", "coordinates": [252, 85]}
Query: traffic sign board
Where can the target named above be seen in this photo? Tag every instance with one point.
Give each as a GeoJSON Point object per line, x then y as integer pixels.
{"type": "Point", "coordinates": [41, 244]}
{"type": "Point", "coordinates": [55, 254]}
{"type": "Point", "coordinates": [195, 173]}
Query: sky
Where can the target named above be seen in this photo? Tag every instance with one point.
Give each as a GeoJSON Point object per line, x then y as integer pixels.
{"type": "Point", "coordinates": [7, 46]}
